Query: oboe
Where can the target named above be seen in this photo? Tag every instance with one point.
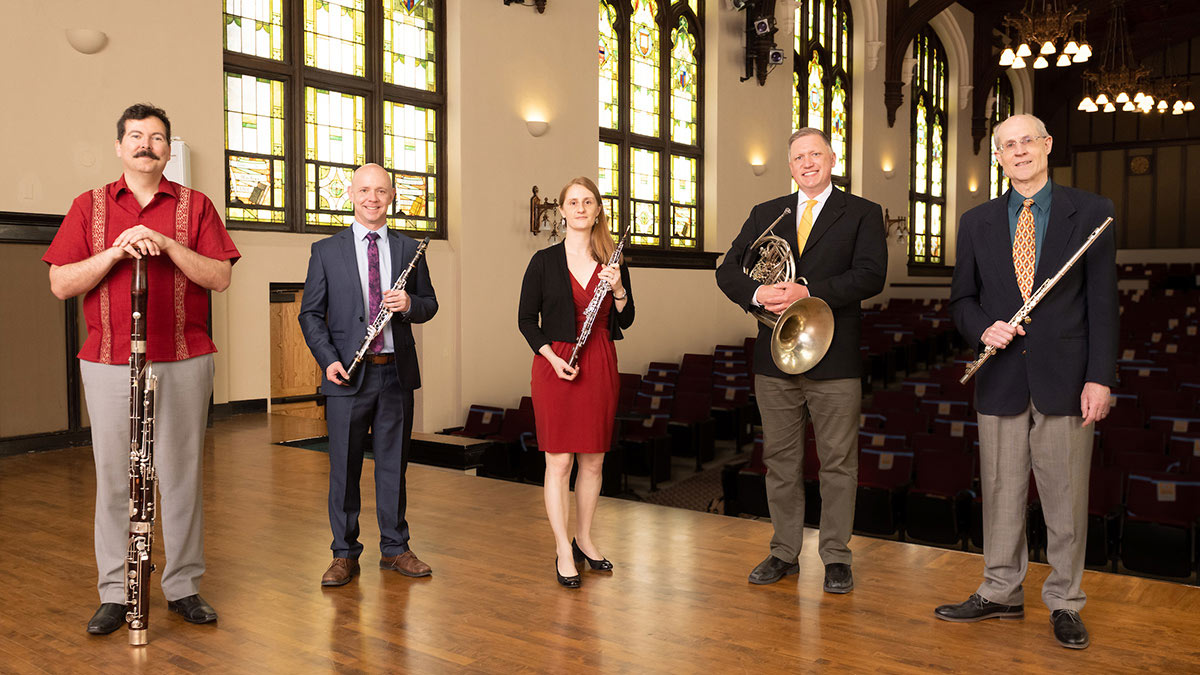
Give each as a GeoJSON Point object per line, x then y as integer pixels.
{"type": "Point", "coordinates": [142, 477]}
{"type": "Point", "coordinates": [1035, 299]}
{"type": "Point", "coordinates": [385, 314]}
{"type": "Point", "coordinates": [593, 307]}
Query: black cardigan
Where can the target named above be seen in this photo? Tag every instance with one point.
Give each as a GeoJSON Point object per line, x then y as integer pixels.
{"type": "Point", "coordinates": [546, 291]}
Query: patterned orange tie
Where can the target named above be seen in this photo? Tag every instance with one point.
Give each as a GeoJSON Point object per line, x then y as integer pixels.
{"type": "Point", "coordinates": [1024, 250]}
{"type": "Point", "coordinates": [805, 227]}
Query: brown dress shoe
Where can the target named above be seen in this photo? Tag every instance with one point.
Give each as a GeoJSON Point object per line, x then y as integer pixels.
{"type": "Point", "coordinates": [340, 572]}
{"type": "Point", "coordinates": [406, 563]}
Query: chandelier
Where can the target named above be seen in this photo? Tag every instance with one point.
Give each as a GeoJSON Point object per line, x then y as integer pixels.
{"type": "Point", "coordinates": [1118, 75]}
{"type": "Point", "coordinates": [1050, 30]}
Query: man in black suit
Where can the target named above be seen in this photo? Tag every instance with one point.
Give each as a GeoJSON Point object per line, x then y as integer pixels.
{"type": "Point", "coordinates": [1038, 396]}
{"type": "Point", "coordinates": [350, 276]}
{"type": "Point", "coordinates": [842, 253]}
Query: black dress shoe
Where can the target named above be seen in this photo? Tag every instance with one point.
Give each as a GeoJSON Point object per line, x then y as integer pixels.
{"type": "Point", "coordinates": [772, 569]}
{"type": "Point", "coordinates": [599, 565]}
{"type": "Point", "coordinates": [566, 582]}
{"type": "Point", "coordinates": [838, 578]}
{"type": "Point", "coordinates": [108, 618]}
{"type": "Point", "coordinates": [1069, 629]}
{"type": "Point", "coordinates": [193, 608]}
{"type": "Point", "coordinates": [977, 608]}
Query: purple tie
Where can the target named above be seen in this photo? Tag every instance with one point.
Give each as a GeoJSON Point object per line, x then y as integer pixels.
{"type": "Point", "coordinates": [374, 293]}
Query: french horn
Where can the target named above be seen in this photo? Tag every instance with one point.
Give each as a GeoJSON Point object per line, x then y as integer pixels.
{"type": "Point", "coordinates": [801, 335]}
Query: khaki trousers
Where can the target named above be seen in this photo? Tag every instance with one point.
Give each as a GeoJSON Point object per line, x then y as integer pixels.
{"type": "Point", "coordinates": [180, 417]}
{"type": "Point", "coordinates": [786, 404]}
{"type": "Point", "coordinates": [1059, 451]}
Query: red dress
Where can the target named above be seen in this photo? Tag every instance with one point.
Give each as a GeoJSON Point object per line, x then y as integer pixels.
{"type": "Point", "coordinates": [577, 415]}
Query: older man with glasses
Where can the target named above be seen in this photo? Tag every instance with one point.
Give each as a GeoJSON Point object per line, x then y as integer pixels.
{"type": "Point", "coordinates": [1049, 380]}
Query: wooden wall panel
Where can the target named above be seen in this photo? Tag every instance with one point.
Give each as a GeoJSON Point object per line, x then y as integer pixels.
{"type": "Point", "coordinates": [33, 345]}
{"type": "Point", "coordinates": [1191, 179]}
{"type": "Point", "coordinates": [1112, 185]}
{"type": "Point", "coordinates": [1140, 211]}
{"type": "Point", "coordinates": [1085, 171]}
{"type": "Point", "coordinates": [294, 372]}
{"type": "Point", "coordinates": [1168, 172]}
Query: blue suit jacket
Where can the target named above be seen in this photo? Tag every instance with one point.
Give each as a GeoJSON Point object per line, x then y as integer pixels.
{"type": "Point", "coordinates": [1072, 334]}
{"type": "Point", "coordinates": [332, 314]}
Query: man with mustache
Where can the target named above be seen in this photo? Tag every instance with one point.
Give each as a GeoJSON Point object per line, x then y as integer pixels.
{"type": "Point", "coordinates": [144, 214]}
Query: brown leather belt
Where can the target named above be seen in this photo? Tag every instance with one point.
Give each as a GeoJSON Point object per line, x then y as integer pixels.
{"type": "Point", "coordinates": [379, 359]}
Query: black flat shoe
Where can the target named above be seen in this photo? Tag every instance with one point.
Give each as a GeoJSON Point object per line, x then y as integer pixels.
{"type": "Point", "coordinates": [772, 569]}
{"type": "Point", "coordinates": [565, 582]}
{"type": "Point", "coordinates": [1069, 629]}
{"type": "Point", "coordinates": [108, 618]}
{"type": "Point", "coordinates": [598, 565]}
{"type": "Point", "coordinates": [838, 578]}
{"type": "Point", "coordinates": [194, 609]}
{"type": "Point", "coordinates": [977, 608]}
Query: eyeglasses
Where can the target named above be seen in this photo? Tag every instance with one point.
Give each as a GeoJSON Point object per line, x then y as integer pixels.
{"type": "Point", "coordinates": [1011, 146]}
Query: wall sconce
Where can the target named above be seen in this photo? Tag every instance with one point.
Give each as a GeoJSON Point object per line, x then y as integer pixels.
{"type": "Point", "coordinates": [539, 4]}
{"type": "Point", "coordinates": [544, 216]}
{"type": "Point", "coordinates": [537, 127]}
{"type": "Point", "coordinates": [86, 40]}
{"type": "Point", "coordinates": [973, 185]}
{"type": "Point", "coordinates": [889, 169]}
{"type": "Point", "coordinates": [897, 228]}
{"type": "Point", "coordinates": [757, 166]}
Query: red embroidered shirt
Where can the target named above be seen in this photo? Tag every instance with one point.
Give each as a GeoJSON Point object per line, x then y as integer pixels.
{"type": "Point", "coordinates": [177, 308]}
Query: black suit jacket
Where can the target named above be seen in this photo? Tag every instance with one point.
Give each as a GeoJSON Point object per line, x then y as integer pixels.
{"type": "Point", "coordinates": [546, 292]}
{"type": "Point", "coordinates": [1072, 334]}
{"type": "Point", "coordinates": [333, 315]}
{"type": "Point", "coordinates": [844, 261]}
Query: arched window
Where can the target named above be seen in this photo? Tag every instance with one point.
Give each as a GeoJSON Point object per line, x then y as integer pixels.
{"type": "Point", "coordinates": [821, 76]}
{"type": "Point", "coordinates": [315, 88]}
{"type": "Point", "coordinates": [651, 131]}
{"type": "Point", "coordinates": [927, 175]}
{"type": "Point", "coordinates": [1002, 109]}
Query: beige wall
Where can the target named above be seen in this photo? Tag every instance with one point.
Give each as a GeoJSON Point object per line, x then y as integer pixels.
{"type": "Point", "coordinates": [503, 64]}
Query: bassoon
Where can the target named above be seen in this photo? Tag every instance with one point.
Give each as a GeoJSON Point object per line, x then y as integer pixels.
{"type": "Point", "coordinates": [142, 477]}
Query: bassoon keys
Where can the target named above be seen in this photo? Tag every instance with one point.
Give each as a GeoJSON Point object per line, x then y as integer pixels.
{"type": "Point", "coordinates": [142, 477]}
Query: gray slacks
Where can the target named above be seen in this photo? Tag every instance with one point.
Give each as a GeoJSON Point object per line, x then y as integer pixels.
{"type": "Point", "coordinates": [1060, 453]}
{"type": "Point", "coordinates": [181, 413]}
{"type": "Point", "coordinates": [786, 404]}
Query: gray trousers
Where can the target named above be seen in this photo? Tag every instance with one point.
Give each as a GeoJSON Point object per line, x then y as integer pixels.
{"type": "Point", "coordinates": [1060, 453]}
{"type": "Point", "coordinates": [181, 413]}
{"type": "Point", "coordinates": [786, 404]}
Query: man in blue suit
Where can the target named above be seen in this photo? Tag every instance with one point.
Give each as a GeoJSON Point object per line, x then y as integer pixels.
{"type": "Point", "coordinates": [1049, 379]}
{"type": "Point", "coordinates": [350, 276]}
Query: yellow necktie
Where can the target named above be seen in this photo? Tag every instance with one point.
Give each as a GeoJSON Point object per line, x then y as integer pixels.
{"type": "Point", "coordinates": [1024, 250]}
{"type": "Point", "coordinates": [805, 227]}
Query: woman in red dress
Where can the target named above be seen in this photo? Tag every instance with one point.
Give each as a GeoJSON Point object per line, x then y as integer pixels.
{"type": "Point", "coordinates": [574, 407]}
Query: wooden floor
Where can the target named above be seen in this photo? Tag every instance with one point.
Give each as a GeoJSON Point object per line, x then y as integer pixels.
{"type": "Point", "coordinates": [678, 601]}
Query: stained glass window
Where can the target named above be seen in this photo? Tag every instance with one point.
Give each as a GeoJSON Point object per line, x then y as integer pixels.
{"type": "Point", "coordinates": [254, 148]}
{"type": "Point", "coordinates": [334, 144]}
{"type": "Point", "coordinates": [644, 79]}
{"type": "Point", "coordinates": [929, 137]}
{"type": "Point", "coordinates": [644, 184]}
{"type": "Point", "coordinates": [821, 76]}
{"type": "Point", "coordinates": [255, 27]}
{"type": "Point", "coordinates": [409, 44]}
{"type": "Point", "coordinates": [684, 89]}
{"type": "Point", "coordinates": [410, 154]}
{"type": "Point", "coordinates": [609, 184]}
{"type": "Point", "coordinates": [1002, 109]}
{"type": "Point", "coordinates": [334, 36]}
{"type": "Point", "coordinates": [651, 119]}
{"type": "Point", "coordinates": [609, 77]}
{"type": "Point", "coordinates": [290, 166]}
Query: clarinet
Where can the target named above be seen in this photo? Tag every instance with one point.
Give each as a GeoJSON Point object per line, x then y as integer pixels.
{"type": "Point", "coordinates": [1035, 299]}
{"type": "Point", "coordinates": [142, 477]}
{"type": "Point", "coordinates": [385, 314]}
{"type": "Point", "coordinates": [593, 307]}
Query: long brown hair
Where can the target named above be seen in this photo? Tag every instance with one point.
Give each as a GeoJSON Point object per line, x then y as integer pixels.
{"type": "Point", "coordinates": [601, 239]}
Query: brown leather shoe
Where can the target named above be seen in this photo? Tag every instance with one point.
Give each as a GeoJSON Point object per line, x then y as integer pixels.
{"type": "Point", "coordinates": [406, 563]}
{"type": "Point", "coordinates": [340, 572]}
